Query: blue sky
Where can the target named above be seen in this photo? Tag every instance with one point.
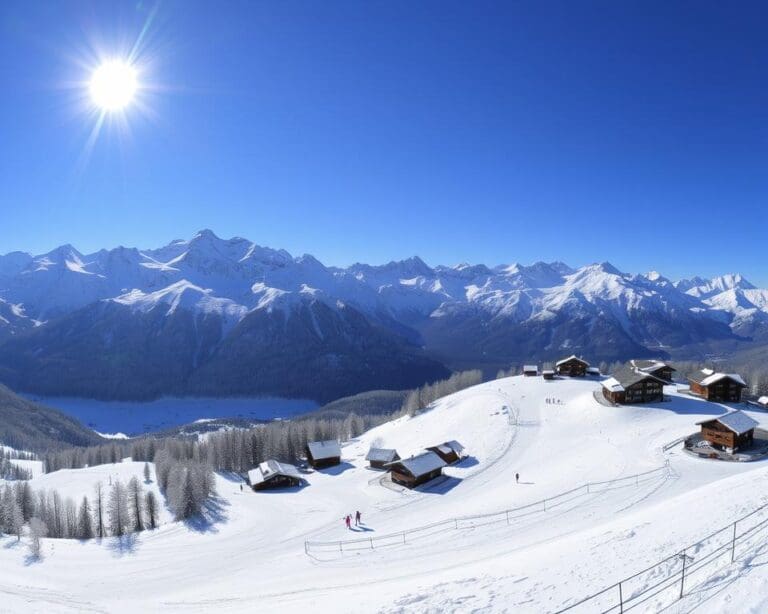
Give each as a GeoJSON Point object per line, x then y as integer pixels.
{"type": "Point", "coordinates": [633, 132]}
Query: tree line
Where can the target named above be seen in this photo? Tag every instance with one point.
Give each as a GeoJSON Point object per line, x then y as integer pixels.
{"type": "Point", "coordinates": [113, 510]}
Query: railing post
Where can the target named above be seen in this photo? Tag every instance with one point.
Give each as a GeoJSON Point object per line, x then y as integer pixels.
{"type": "Point", "coordinates": [682, 577]}
{"type": "Point", "coordinates": [733, 544]}
{"type": "Point", "coordinates": [621, 600]}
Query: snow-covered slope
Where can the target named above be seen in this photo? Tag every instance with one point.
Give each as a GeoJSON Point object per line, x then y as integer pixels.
{"type": "Point", "coordinates": [554, 434]}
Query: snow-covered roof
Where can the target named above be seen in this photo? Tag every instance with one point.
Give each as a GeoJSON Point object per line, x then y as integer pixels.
{"type": "Point", "coordinates": [324, 449]}
{"type": "Point", "coordinates": [569, 359]}
{"type": "Point", "coordinates": [613, 385]}
{"type": "Point", "coordinates": [763, 400]}
{"type": "Point", "coordinates": [737, 421]}
{"type": "Point", "coordinates": [421, 464]}
{"type": "Point", "coordinates": [381, 455]}
{"type": "Point", "coordinates": [707, 377]}
{"type": "Point", "coordinates": [548, 371]}
{"type": "Point", "coordinates": [450, 446]}
{"type": "Point", "coordinates": [531, 368]}
{"type": "Point", "coordinates": [651, 366]}
{"type": "Point", "coordinates": [627, 376]}
{"type": "Point", "coordinates": [270, 468]}
{"type": "Point", "coordinates": [593, 370]}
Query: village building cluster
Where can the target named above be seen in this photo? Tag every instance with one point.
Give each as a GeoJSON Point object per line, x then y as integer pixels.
{"type": "Point", "coordinates": [410, 472]}
{"type": "Point", "coordinates": [639, 381]}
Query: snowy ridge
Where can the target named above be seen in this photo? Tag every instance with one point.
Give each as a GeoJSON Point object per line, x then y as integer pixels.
{"type": "Point", "coordinates": [245, 276]}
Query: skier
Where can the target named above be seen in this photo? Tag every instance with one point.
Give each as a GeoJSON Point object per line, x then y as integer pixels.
{"type": "Point", "coordinates": [348, 521]}
{"type": "Point", "coordinates": [517, 478]}
{"type": "Point", "coordinates": [357, 518]}
{"type": "Point", "coordinates": [241, 488]}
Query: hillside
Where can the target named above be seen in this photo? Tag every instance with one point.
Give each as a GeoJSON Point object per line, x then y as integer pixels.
{"type": "Point", "coordinates": [554, 434]}
{"type": "Point", "coordinates": [30, 426]}
{"type": "Point", "coordinates": [227, 317]}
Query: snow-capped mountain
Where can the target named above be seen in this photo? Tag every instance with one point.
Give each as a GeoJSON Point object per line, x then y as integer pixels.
{"type": "Point", "coordinates": [227, 316]}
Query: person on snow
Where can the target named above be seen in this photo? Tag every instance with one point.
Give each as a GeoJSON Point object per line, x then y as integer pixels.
{"type": "Point", "coordinates": [348, 521]}
{"type": "Point", "coordinates": [517, 478]}
{"type": "Point", "coordinates": [358, 515]}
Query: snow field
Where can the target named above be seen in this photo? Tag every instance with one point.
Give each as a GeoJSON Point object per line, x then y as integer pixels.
{"type": "Point", "coordinates": [252, 556]}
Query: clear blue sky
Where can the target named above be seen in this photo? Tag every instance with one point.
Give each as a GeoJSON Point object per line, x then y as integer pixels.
{"type": "Point", "coordinates": [635, 132]}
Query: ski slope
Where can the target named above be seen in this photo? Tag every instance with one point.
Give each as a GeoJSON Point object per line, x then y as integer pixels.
{"type": "Point", "coordinates": [251, 556]}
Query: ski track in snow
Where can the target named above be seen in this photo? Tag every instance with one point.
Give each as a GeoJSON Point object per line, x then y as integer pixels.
{"type": "Point", "coordinates": [253, 557]}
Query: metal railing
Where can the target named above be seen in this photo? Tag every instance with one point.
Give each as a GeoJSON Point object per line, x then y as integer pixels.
{"type": "Point", "coordinates": [480, 520]}
{"type": "Point", "coordinates": [667, 580]}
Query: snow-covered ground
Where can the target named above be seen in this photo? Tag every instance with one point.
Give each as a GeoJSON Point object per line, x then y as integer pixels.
{"type": "Point", "coordinates": [252, 556]}
{"type": "Point", "coordinates": [111, 418]}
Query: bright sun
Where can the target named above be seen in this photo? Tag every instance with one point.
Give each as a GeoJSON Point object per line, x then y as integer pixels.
{"type": "Point", "coordinates": [113, 85]}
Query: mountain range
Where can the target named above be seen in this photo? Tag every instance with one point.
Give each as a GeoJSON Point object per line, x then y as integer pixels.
{"type": "Point", "coordinates": [212, 316]}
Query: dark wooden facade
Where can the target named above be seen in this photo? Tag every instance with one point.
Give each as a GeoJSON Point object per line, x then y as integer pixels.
{"type": "Point", "coordinates": [321, 463]}
{"type": "Point", "coordinates": [278, 481]}
{"type": "Point", "coordinates": [449, 456]}
{"type": "Point", "coordinates": [402, 476]}
{"type": "Point", "coordinates": [723, 390]}
{"type": "Point", "coordinates": [548, 374]}
{"type": "Point", "coordinates": [720, 436]}
{"type": "Point", "coordinates": [572, 367]}
{"type": "Point", "coordinates": [645, 389]}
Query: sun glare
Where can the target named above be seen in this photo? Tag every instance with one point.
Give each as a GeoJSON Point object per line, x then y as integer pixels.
{"type": "Point", "coordinates": [113, 85]}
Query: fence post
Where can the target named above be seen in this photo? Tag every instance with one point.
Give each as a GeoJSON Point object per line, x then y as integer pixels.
{"type": "Point", "coordinates": [682, 577]}
{"type": "Point", "coordinates": [403, 536]}
{"type": "Point", "coordinates": [733, 544]}
{"type": "Point", "coordinates": [507, 512]}
{"type": "Point", "coordinates": [637, 479]}
{"type": "Point", "coordinates": [306, 548]}
{"type": "Point", "coordinates": [371, 543]}
{"type": "Point", "coordinates": [587, 487]}
{"type": "Point", "coordinates": [341, 549]}
{"type": "Point", "coordinates": [544, 501]}
{"type": "Point", "coordinates": [621, 600]}
{"type": "Point", "coordinates": [456, 523]}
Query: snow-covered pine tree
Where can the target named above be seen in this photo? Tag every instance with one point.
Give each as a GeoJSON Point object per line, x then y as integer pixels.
{"type": "Point", "coordinates": [85, 520]}
{"type": "Point", "coordinates": [152, 510]}
{"type": "Point", "coordinates": [117, 510]}
{"type": "Point", "coordinates": [136, 504]}
{"type": "Point", "coordinates": [99, 509]}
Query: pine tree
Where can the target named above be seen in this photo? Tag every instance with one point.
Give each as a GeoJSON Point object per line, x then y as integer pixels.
{"type": "Point", "coordinates": [37, 530]}
{"type": "Point", "coordinates": [136, 504]}
{"type": "Point", "coordinates": [152, 509]}
{"type": "Point", "coordinates": [147, 473]}
{"type": "Point", "coordinates": [85, 521]}
{"type": "Point", "coordinates": [99, 511]}
{"type": "Point", "coordinates": [117, 510]}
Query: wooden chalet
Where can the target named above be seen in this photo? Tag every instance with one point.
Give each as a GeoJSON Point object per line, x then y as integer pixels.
{"type": "Point", "coordinates": [723, 387]}
{"type": "Point", "coordinates": [273, 474]}
{"type": "Point", "coordinates": [323, 453]}
{"type": "Point", "coordinates": [732, 431]}
{"type": "Point", "coordinates": [417, 470]}
{"type": "Point", "coordinates": [530, 370]}
{"type": "Point", "coordinates": [450, 451]}
{"type": "Point", "coordinates": [573, 366]}
{"type": "Point", "coordinates": [631, 386]}
{"type": "Point", "coordinates": [378, 457]}
{"type": "Point", "coordinates": [660, 369]}
{"type": "Point", "coordinates": [548, 374]}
